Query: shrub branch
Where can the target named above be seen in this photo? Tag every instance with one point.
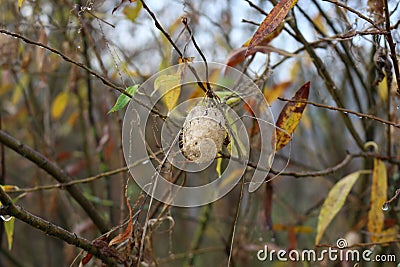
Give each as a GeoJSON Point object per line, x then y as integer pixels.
{"type": "Point", "coordinates": [51, 168]}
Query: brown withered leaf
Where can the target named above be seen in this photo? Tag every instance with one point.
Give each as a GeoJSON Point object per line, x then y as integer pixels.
{"type": "Point", "coordinates": [85, 260]}
{"type": "Point", "coordinates": [290, 117]}
{"type": "Point", "coordinates": [269, 37]}
{"type": "Point", "coordinates": [128, 230]}
{"type": "Point", "coordinates": [271, 22]}
{"type": "Point", "coordinates": [239, 55]}
{"type": "Point", "coordinates": [376, 7]}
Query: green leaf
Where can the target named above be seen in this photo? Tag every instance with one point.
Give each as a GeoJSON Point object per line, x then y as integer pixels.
{"type": "Point", "coordinates": [124, 99]}
{"type": "Point", "coordinates": [334, 202]}
{"type": "Point", "coordinates": [9, 229]}
{"type": "Point", "coordinates": [132, 13]}
{"type": "Point", "coordinates": [218, 167]}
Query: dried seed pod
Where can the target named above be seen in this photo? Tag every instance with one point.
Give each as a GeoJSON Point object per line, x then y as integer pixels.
{"type": "Point", "coordinates": [203, 134]}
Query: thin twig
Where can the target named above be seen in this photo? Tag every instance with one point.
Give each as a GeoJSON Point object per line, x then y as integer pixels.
{"type": "Point", "coordinates": [166, 34]}
{"type": "Point", "coordinates": [325, 172]}
{"type": "Point", "coordinates": [74, 182]}
{"type": "Point", "coordinates": [329, 83]}
{"type": "Point", "coordinates": [89, 70]}
{"type": "Point", "coordinates": [250, 22]}
{"type": "Point", "coordinates": [392, 45]}
{"type": "Point", "coordinates": [396, 195]}
{"type": "Point", "coordinates": [83, 180]}
{"type": "Point", "coordinates": [360, 15]}
{"type": "Point", "coordinates": [259, 9]}
{"type": "Point", "coordinates": [349, 111]}
{"type": "Point", "coordinates": [102, 20]}
{"type": "Point", "coordinates": [68, 59]}
{"type": "Point", "coordinates": [160, 28]}
{"type": "Point", "coordinates": [209, 92]}
{"type": "Point", "coordinates": [199, 234]}
{"type": "Point", "coordinates": [235, 222]}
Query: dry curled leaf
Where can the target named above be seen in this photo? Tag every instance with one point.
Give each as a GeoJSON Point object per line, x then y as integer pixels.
{"type": "Point", "coordinates": [239, 55]}
{"type": "Point", "coordinates": [290, 117]}
{"type": "Point", "coordinates": [128, 230]}
{"type": "Point", "coordinates": [271, 22]}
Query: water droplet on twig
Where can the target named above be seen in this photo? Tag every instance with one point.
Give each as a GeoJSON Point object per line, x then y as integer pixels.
{"type": "Point", "coordinates": [385, 206]}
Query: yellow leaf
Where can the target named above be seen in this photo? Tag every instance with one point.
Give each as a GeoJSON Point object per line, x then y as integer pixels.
{"type": "Point", "coordinates": [272, 93]}
{"type": "Point", "coordinates": [5, 88]}
{"type": "Point", "coordinates": [296, 68]}
{"type": "Point", "coordinates": [132, 13]}
{"type": "Point", "coordinates": [20, 3]}
{"type": "Point", "coordinates": [19, 89]}
{"type": "Point", "coordinates": [17, 95]}
{"type": "Point", "coordinates": [9, 229]}
{"type": "Point", "coordinates": [383, 89]}
{"type": "Point", "coordinates": [303, 229]}
{"type": "Point", "coordinates": [170, 89]}
{"type": "Point", "coordinates": [59, 105]}
{"type": "Point", "coordinates": [319, 23]}
{"type": "Point", "coordinates": [387, 235]}
{"type": "Point", "coordinates": [378, 198]}
{"type": "Point", "coordinates": [8, 188]}
{"type": "Point", "coordinates": [334, 202]}
{"type": "Point", "coordinates": [218, 167]}
{"type": "Point", "coordinates": [290, 117]}
{"type": "Point", "coordinates": [72, 118]}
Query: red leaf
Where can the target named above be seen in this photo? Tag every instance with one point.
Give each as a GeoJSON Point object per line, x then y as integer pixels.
{"type": "Point", "coordinates": [239, 55]}
{"type": "Point", "coordinates": [128, 230]}
{"type": "Point", "coordinates": [86, 259]}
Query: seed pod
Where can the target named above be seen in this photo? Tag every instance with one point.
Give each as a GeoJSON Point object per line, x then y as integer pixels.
{"type": "Point", "coordinates": [203, 134]}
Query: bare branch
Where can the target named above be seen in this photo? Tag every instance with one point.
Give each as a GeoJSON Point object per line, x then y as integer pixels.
{"type": "Point", "coordinates": [349, 111]}
{"type": "Point", "coordinates": [51, 168]}
{"type": "Point", "coordinates": [68, 59]}
{"type": "Point", "coordinates": [8, 208]}
{"type": "Point", "coordinates": [360, 15]}
{"type": "Point", "coordinates": [392, 45]}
